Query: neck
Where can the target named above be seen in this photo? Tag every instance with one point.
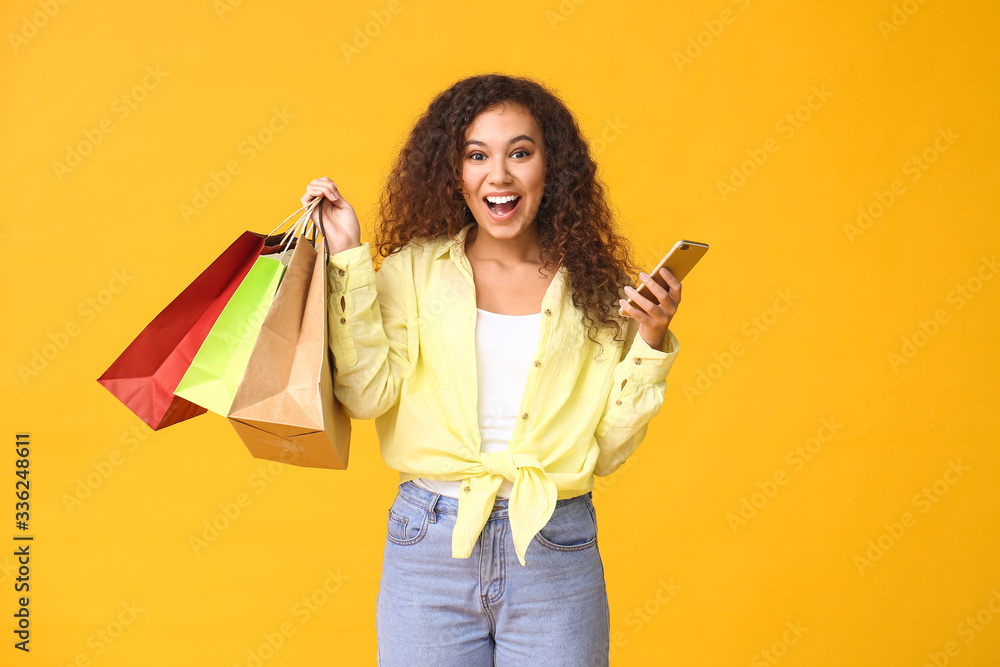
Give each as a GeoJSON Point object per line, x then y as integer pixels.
{"type": "Point", "coordinates": [523, 249]}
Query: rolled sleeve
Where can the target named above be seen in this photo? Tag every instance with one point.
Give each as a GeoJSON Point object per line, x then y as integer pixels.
{"type": "Point", "coordinates": [651, 365]}
{"type": "Point", "coordinates": [636, 397]}
{"type": "Point", "coordinates": [351, 268]}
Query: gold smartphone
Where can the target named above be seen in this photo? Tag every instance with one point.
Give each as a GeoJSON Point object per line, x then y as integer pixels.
{"type": "Point", "coordinates": [679, 261]}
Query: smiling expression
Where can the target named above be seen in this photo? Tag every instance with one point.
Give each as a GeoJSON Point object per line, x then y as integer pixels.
{"type": "Point", "coordinates": [503, 170]}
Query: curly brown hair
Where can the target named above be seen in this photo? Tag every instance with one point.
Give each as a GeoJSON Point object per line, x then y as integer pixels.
{"type": "Point", "coordinates": [576, 224]}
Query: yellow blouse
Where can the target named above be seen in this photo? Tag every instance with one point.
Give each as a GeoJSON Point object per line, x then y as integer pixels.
{"type": "Point", "coordinates": [403, 341]}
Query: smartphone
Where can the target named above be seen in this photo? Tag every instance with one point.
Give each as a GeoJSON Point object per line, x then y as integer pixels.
{"type": "Point", "coordinates": [679, 261]}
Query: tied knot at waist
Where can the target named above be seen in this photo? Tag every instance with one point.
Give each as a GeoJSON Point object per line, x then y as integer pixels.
{"type": "Point", "coordinates": [508, 465]}
{"type": "Point", "coordinates": [532, 500]}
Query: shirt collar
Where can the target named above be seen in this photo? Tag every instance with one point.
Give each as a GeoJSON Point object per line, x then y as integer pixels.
{"type": "Point", "coordinates": [455, 245]}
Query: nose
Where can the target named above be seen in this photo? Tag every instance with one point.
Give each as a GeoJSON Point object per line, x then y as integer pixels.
{"type": "Point", "coordinates": [499, 172]}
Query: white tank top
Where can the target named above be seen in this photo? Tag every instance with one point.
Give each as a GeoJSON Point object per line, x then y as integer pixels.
{"type": "Point", "coordinates": [505, 347]}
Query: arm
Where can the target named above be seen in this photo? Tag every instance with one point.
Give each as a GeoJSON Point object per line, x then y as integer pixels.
{"type": "Point", "coordinates": [368, 330]}
{"type": "Point", "coordinates": [640, 381]}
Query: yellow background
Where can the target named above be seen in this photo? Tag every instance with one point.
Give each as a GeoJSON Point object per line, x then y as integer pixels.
{"type": "Point", "coordinates": [812, 309]}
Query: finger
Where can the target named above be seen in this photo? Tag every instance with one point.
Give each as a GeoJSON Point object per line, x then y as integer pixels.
{"type": "Point", "coordinates": [311, 194]}
{"type": "Point", "coordinates": [675, 285]}
{"type": "Point", "coordinates": [639, 299]}
{"type": "Point", "coordinates": [328, 191]}
{"type": "Point", "coordinates": [630, 310]}
{"type": "Point", "coordinates": [324, 186]}
{"type": "Point", "coordinates": [658, 290]}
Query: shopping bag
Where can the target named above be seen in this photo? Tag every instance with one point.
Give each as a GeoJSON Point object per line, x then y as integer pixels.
{"type": "Point", "coordinates": [145, 375]}
{"type": "Point", "coordinates": [285, 409]}
{"type": "Point", "coordinates": [217, 369]}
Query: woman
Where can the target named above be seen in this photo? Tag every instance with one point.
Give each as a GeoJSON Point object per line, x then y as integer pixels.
{"type": "Point", "coordinates": [489, 350]}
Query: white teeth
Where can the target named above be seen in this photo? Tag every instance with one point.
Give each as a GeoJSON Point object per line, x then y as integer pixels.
{"type": "Point", "coordinates": [501, 200]}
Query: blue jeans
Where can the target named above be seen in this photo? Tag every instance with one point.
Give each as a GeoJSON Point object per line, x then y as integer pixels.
{"type": "Point", "coordinates": [488, 609]}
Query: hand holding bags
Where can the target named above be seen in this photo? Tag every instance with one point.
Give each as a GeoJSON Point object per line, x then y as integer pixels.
{"type": "Point", "coordinates": [285, 409]}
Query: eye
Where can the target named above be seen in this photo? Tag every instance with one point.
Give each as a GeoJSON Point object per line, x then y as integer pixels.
{"type": "Point", "coordinates": [521, 151]}
{"type": "Point", "coordinates": [473, 156]}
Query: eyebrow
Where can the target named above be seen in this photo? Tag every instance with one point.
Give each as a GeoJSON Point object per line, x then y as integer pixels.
{"type": "Point", "coordinates": [512, 141]}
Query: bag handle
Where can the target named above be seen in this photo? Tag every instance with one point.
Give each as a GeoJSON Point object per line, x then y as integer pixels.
{"type": "Point", "coordinates": [301, 227]}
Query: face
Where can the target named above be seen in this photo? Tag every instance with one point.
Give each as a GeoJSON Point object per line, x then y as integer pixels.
{"type": "Point", "coordinates": [503, 170]}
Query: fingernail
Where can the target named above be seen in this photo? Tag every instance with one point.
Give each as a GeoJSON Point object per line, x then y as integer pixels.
{"type": "Point", "coordinates": [643, 275]}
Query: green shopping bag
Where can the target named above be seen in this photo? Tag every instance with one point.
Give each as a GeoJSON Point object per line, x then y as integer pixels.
{"type": "Point", "coordinates": [217, 369]}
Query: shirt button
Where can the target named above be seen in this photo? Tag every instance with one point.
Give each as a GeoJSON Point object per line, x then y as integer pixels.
{"type": "Point", "coordinates": [343, 320]}
{"type": "Point", "coordinates": [548, 312]}
{"type": "Point", "coordinates": [467, 489]}
{"type": "Point", "coordinates": [537, 363]}
{"type": "Point", "coordinates": [524, 416]}
{"type": "Point", "coordinates": [638, 361]}
{"type": "Point", "coordinates": [340, 271]}
{"type": "Point", "coordinates": [618, 402]}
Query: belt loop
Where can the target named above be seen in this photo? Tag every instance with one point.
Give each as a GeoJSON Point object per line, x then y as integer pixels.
{"type": "Point", "coordinates": [432, 506]}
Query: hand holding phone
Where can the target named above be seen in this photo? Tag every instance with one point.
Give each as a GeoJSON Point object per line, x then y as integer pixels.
{"type": "Point", "coordinates": [679, 261]}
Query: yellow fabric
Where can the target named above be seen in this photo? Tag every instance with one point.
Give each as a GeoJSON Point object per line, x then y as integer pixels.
{"type": "Point", "coordinates": [403, 339]}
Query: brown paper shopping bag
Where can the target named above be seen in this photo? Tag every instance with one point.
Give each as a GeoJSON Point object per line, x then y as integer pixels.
{"type": "Point", "coordinates": [285, 409]}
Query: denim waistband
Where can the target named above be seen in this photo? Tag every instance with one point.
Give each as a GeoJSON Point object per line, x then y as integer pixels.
{"type": "Point", "coordinates": [435, 502]}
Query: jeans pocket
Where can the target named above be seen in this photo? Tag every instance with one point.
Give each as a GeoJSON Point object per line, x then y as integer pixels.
{"type": "Point", "coordinates": [407, 523]}
{"type": "Point", "coordinates": [572, 527]}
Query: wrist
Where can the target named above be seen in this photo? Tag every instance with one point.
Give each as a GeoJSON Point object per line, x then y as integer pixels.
{"type": "Point", "coordinates": [341, 247]}
{"type": "Point", "coordinates": [652, 341]}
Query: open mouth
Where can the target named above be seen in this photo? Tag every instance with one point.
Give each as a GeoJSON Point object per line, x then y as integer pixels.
{"type": "Point", "coordinates": [501, 207]}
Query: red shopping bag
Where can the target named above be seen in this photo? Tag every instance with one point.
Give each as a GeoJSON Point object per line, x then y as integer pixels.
{"type": "Point", "coordinates": [145, 375]}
